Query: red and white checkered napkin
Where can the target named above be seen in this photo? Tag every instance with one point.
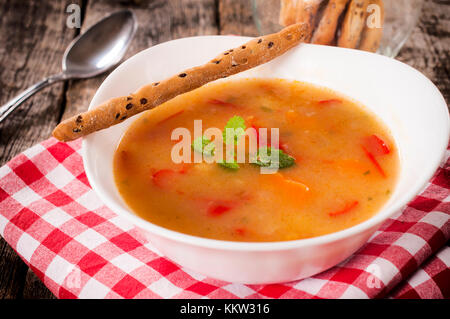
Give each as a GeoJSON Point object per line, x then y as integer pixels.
{"type": "Point", "coordinates": [79, 248]}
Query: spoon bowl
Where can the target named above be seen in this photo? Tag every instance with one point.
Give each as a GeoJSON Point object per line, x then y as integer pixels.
{"type": "Point", "coordinates": [94, 52]}
{"type": "Point", "coordinates": [102, 46]}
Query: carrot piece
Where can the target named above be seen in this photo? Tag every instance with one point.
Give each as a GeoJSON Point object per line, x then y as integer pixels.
{"type": "Point", "coordinates": [170, 117]}
{"type": "Point", "coordinates": [288, 185]}
{"type": "Point", "coordinates": [374, 161]}
{"type": "Point", "coordinates": [376, 145]}
{"type": "Point", "coordinates": [350, 166]}
{"type": "Point", "coordinates": [220, 102]}
{"type": "Point", "coordinates": [290, 192]}
{"type": "Point", "coordinates": [292, 116]}
{"type": "Point", "coordinates": [347, 208]}
{"type": "Point", "coordinates": [250, 120]}
{"type": "Point", "coordinates": [330, 102]}
{"type": "Point", "coordinates": [296, 185]}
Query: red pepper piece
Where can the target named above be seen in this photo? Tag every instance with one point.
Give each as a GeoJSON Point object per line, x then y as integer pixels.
{"type": "Point", "coordinates": [330, 102]}
{"type": "Point", "coordinates": [374, 161]}
{"type": "Point", "coordinates": [375, 145]}
{"type": "Point", "coordinates": [171, 117]}
{"type": "Point", "coordinates": [217, 209]}
{"type": "Point", "coordinates": [264, 143]}
{"type": "Point", "coordinates": [284, 147]}
{"type": "Point", "coordinates": [348, 207]}
{"type": "Point", "coordinates": [220, 102]}
{"type": "Point", "coordinates": [163, 177]}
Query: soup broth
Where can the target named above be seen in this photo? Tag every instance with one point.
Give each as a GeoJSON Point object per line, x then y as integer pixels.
{"type": "Point", "coordinates": [346, 164]}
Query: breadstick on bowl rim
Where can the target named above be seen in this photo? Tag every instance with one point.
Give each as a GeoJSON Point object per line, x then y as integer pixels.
{"type": "Point", "coordinates": [372, 34]}
{"type": "Point", "coordinates": [247, 56]}
{"type": "Point", "coordinates": [326, 30]}
{"type": "Point", "coordinates": [353, 24]}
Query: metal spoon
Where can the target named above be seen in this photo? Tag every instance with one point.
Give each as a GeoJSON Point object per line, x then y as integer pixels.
{"type": "Point", "coordinates": [95, 51]}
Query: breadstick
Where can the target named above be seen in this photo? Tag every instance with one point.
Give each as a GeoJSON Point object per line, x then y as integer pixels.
{"type": "Point", "coordinates": [248, 55]}
{"type": "Point", "coordinates": [307, 11]}
{"type": "Point", "coordinates": [326, 30]}
{"type": "Point", "coordinates": [372, 33]}
{"type": "Point", "coordinates": [353, 24]}
{"type": "Point", "coordinates": [288, 12]}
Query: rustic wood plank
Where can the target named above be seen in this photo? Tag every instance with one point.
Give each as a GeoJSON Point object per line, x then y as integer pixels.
{"type": "Point", "coordinates": [236, 18]}
{"type": "Point", "coordinates": [34, 288]}
{"type": "Point", "coordinates": [159, 21]}
{"type": "Point", "coordinates": [12, 274]}
{"type": "Point", "coordinates": [33, 38]}
{"type": "Point", "coordinates": [428, 48]}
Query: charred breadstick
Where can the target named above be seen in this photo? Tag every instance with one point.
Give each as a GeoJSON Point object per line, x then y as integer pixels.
{"type": "Point", "coordinates": [353, 24]}
{"type": "Point", "coordinates": [307, 12]}
{"type": "Point", "coordinates": [248, 55]}
{"type": "Point", "coordinates": [288, 12]}
{"type": "Point", "coordinates": [372, 33]}
{"type": "Point", "coordinates": [326, 30]}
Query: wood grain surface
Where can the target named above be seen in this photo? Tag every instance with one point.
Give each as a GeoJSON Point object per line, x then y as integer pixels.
{"type": "Point", "coordinates": [34, 36]}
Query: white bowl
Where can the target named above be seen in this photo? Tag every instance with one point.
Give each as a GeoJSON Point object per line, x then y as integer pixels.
{"type": "Point", "coordinates": [403, 98]}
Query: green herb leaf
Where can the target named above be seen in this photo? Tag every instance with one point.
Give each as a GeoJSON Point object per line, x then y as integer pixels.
{"type": "Point", "coordinates": [230, 165]}
{"type": "Point", "coordinates": [264, 158]}
{"type": "Point", "coordinates": [237, 124]}
{"type": "Point", "coordinates": [233, 165]}
{"type": "Point", "coordinates": [203, 145]}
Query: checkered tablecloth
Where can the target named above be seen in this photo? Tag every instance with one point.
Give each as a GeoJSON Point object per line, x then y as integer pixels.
{"type": "Point", "coordinates": [80, 249]}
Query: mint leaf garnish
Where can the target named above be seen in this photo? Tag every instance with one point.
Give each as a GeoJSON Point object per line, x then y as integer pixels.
{"type": "Point", "coordinates": [203, 145]}
{"type": "Point", "coordinates": [234, 129]}
{"type": "Point", "coordinates": [230, 165]}
{"type": "Point", "coordinates": [265, 158]}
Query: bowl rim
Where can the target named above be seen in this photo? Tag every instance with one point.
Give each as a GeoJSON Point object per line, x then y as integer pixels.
{"type": "Point", "coordinates": [374, 221]}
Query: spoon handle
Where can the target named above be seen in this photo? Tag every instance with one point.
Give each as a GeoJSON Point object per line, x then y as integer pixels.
{"type": "Point", "coordinates": [12, 104]}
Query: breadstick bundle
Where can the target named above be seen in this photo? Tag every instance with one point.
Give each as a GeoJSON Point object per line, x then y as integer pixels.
{"type": "Point", "coordinates": [356, 24]}
{"type": "Point", "coordinates": [244, 57]}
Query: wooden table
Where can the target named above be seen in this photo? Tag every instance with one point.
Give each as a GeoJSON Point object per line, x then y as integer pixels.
{"type": "Point", "coordinates": [34, 36]}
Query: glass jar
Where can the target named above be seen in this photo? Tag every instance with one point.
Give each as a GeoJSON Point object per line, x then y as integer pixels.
{"type": "Point", "coordinates": [395, 18]}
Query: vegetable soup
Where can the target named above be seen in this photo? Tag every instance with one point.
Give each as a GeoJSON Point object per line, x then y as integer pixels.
{"type": "Point", "coordinates": [338, 164]}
